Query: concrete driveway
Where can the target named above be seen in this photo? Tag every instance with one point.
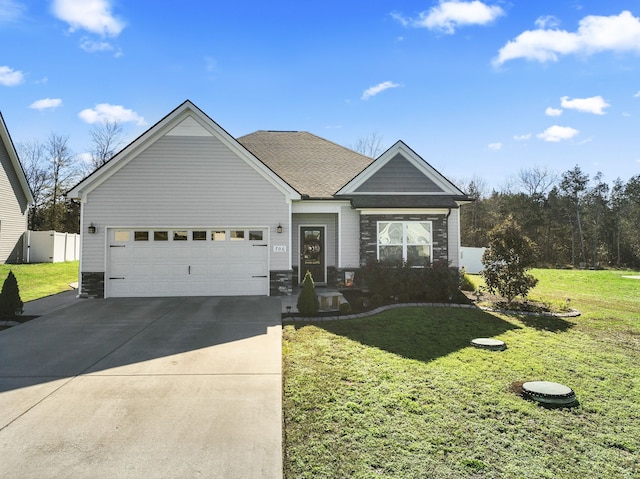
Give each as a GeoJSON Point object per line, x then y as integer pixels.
{"type": "Point", "coordinates": [153, 388]}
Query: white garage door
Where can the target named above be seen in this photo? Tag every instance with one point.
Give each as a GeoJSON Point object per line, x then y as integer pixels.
{"type": "Point", "coordinates": [187, 262]}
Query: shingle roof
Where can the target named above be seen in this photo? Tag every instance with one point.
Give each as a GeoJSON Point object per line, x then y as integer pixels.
{"type": "Point", "coordinates": [312, 165]}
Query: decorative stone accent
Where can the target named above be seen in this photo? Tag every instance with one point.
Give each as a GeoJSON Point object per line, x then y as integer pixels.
{"type": "Point", "coordinates": [369, 233]}
{"type": "Point", "coordinates": [92, 285]}
{"type": "Point", "coordinates": [281, 283]}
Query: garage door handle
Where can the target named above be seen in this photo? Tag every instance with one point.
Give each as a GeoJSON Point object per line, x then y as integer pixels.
{"type": "Point", "coordinates": [117, 246]}
{"type": "Point", "coordinates": [117, 277]}
{"type": "Point", "coordinates": [259, 276]}
{"type": "Point", "coordinates": [259, 245]}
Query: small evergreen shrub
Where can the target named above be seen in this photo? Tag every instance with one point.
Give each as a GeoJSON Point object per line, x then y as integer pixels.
{"type": "Point", "coordinates": [10, 302]}
{"type": "Point", "coordinates": [308, 303]}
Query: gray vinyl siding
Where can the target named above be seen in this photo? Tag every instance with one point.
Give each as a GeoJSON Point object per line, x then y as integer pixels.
{"type": "Point", "coordinates": [13, 210]}
{"type": "Point", "coordinates": [329, 220]}
{"type": "Point", "coordinates": [184, 182]}
{"type": "Point", "coordinates": [350, 237]}
{"type": "Point", "coordinates": [399, 176]}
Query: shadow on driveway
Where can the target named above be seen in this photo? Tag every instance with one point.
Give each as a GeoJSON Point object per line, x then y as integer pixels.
{"type": "Point", "coordinates": [145, 387]}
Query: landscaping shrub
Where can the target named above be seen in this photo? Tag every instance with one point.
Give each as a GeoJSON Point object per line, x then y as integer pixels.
{"type": "Point", "coordinates": [345, 308]}
{"type": "Point", "coordinates": [435, 282]}
{"type": "Point", "coordinates": [308, 303]}
{"type": "Point", "coordinates": [10, 302]}
{"type": "Point", "coordinates": [465, 283]}
{"type": "Point", "coordinates": [377, 300]}
{"type": "Point", "coordinates": [507, 259]}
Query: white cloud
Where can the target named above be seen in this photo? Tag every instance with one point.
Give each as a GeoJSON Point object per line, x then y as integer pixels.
{"type": "Point", "coordinates": [10, 77]}
{"type": "Point", "coordinates": [10, 11]}
{"type": "Point", "coordinates": [553, 111]}
{"type": "Point", "coordinates": [637, 95]}
{"type": "Point", "coordinates": [46, 104]}
{"type": "Point", "coordinates": [547, 22]}
{"type": "Point", "coordinates": [92, 15]}
{"type": "Point", "coordinates": [106, 112]}
{"type": "Point", "coordinates": [374, 90]}
{"type": "Point", "coordinates": [449, 15]}
{"type": "Point", "coordinates": [595, 104]}
{"type": "Point", "coordinates": [526, 136]}
{"type": "Point", "coordinates": [557, 133]}
{"type": "Point", "coordinates": [595, 34]}
{"type": "Point", "coordinates": [91, 47]}
{"type": "Point", "coordinates": [495, 146]}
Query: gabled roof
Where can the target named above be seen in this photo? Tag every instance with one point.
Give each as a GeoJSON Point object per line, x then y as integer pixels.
{"type": "Point", "coordinates": [312, 165]}
{"type": "Point", "coordinates": [400, 171]}
{"type": "Point", "coordinates": [186, 119]}
{"type": "Point", "coordinates": [6, 140]}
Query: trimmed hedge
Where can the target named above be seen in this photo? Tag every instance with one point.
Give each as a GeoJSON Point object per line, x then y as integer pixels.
{"type": "Point", "coordinates": [435, 282]}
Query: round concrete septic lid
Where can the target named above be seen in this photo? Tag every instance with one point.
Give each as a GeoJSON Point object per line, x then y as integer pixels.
{"type": "Point", "coordinates": [549, 392]}
{"type": "Point", "coordinates": [489, 343]}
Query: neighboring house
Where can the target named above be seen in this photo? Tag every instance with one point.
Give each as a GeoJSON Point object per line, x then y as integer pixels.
{"type": "Point", "coordinates": [187, 210]}
{"type": "Point", "coordinates": [15, 199]}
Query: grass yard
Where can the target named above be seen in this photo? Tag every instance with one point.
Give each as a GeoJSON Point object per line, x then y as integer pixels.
{"type": "Point", "coordinates": [42, 279]}
{"type": "Point", "coordinates": [402, 395]}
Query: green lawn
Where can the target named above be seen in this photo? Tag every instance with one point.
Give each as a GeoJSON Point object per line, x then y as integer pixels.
{"type": "Point", "coordinates": [402, 395]}
{"type": "Point", "coordinates": [42, 279]}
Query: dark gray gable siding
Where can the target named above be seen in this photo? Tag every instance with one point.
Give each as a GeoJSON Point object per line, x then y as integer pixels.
{"type": "Point", "coordinates": [399, 176]}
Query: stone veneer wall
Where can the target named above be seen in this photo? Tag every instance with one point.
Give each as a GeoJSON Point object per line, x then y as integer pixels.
{"type": "Point", "coordinates": [92, 285]}
{"type": "Point", "coordinates": [280, 283]}
{"type": "Point", "coordinates": [369, 233]}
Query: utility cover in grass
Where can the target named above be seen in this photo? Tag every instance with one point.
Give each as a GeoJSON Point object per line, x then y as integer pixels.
{"type": "Point", "coordinates": [489, 343]}
{"type": "Point", "coordinates": [550, 393]}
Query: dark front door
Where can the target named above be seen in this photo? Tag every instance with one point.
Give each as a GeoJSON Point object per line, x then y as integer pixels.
{"type": "Point", "coordinates": [312, 254]}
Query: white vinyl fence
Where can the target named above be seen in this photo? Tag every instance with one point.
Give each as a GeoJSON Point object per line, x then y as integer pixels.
{"type": "Point", "coordinates": [471, 259]}
{"type": "Point", "coordinates": [51, 247]}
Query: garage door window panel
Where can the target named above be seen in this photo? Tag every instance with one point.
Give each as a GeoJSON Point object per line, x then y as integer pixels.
{"type": "Point", "coordinates": [236, 235]}
{"type": "Point", "coordinates": [141, 236]}
{"type": "Point", "coordinates": [199, 235]}
{"type": "Point", "coordinates": [160, 236]}
{"type": "Point", "coordinates": [180, 236]}
{"type": "Point", "coordinates": [121, 236]}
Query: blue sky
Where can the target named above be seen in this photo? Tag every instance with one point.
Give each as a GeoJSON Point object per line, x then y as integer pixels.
{"type": "Point", "coordinates": [477, 88]}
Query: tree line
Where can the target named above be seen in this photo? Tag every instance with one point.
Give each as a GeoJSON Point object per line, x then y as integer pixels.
{"type": "Point", "coordinates": [571, 218]}
{"type": "Point", "coordinates": [52, 169]}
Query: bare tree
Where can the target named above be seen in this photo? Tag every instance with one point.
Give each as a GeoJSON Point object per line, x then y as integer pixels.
{"type": "Point", "coordinates": [370, 145]}
{"type": "Point", "coordinates": [106, 138]}
{"type": "Point", "coordinates": [61, 171]}
{"type": "Point", "coordinates": [537, 181]}
{"type": "Point", "coordinates": [32, 157]}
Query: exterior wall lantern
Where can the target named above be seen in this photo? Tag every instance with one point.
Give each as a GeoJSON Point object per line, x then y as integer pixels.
{"type": "Point", "coordinates": [279, 228]}
{"type": "Point", "coordinates": [91, 229]}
